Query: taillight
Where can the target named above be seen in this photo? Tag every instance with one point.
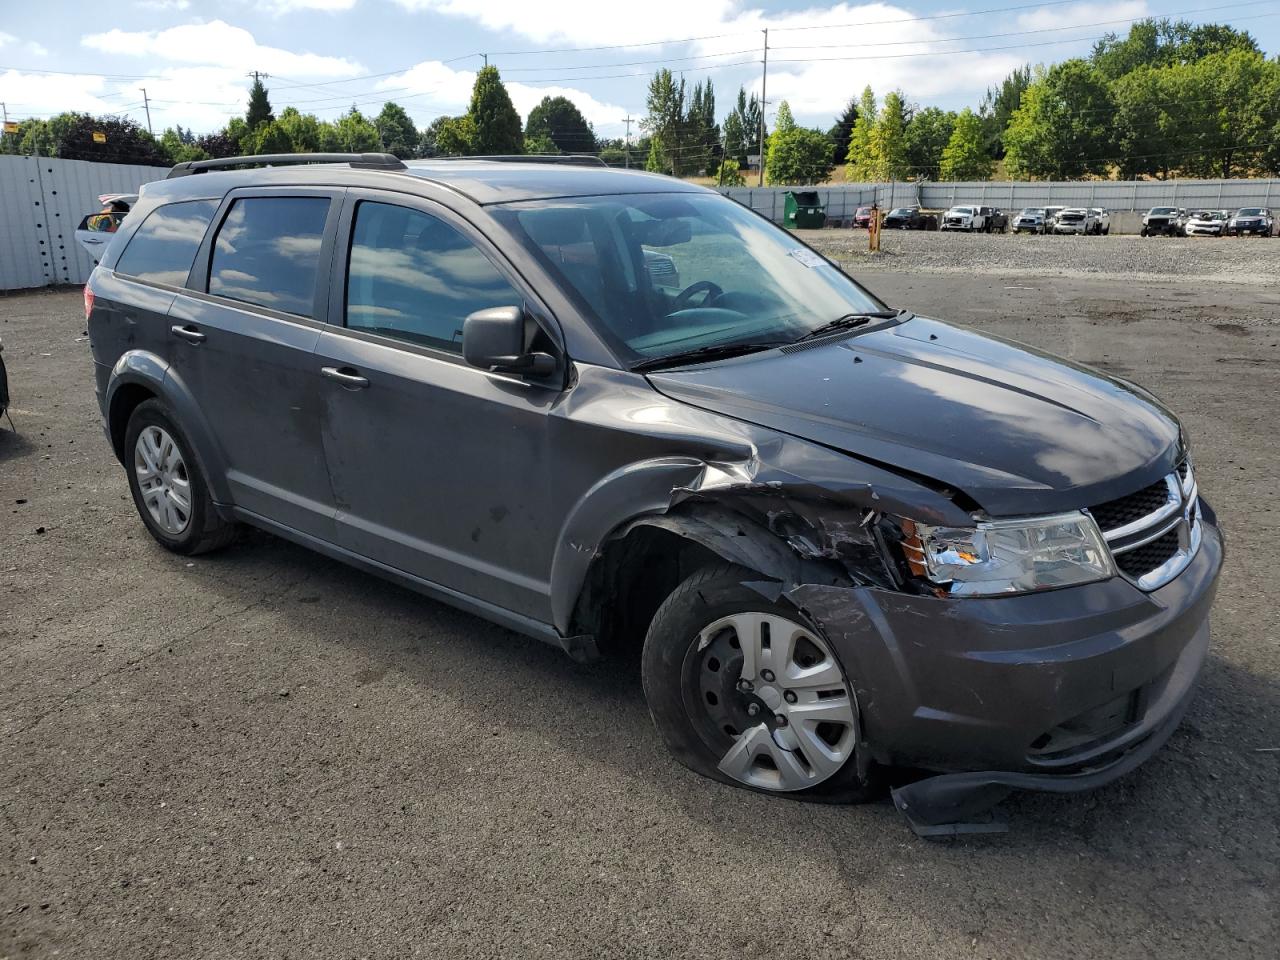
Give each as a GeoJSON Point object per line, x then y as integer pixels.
{"type": "Point", "coordinates": [88, 302]}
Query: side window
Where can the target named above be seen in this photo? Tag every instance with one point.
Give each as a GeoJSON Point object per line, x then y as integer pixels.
{"type": "Point", "coordinates": [165, 246]}
{"type": "Point", "coordinates": [414, 277]}
{"type": "Point", "coordinates": [268, 252]}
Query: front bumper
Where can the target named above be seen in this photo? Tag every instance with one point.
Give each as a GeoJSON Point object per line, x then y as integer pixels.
{"type": "Point", "coordinates": [1070, 228]}
{"type": "Point", "coordinates": [1058, 690]}
{"type": "Point", "coordinates": [1204, 231]}
{"type": "Point", "coordinates": [1250, 228]}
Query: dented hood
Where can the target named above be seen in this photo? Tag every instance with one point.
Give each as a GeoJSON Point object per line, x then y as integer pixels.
{"type": "Point", "coordinates": [1018, 431]}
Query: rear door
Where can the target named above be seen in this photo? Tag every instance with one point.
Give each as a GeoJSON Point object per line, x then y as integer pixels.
{"type": "Point", "coordinates": [439, 469]}
{"type": "Point", "coordinates": [242, 342]}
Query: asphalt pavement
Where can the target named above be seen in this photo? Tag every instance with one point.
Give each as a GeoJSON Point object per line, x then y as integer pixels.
{"type": "Point", "coordinates": [263, 753]}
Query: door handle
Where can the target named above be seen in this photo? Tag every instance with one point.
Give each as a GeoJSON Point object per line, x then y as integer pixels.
{"type": "Point", "coordinates": [345, 376]}
{"type": "Point", "coordinates": [94, 240]}
{"type": "Point", "coordinates": [187, 333]}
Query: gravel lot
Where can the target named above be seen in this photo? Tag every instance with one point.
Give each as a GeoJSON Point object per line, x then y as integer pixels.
{"type": "Point", "coordinates": [1234, 260]}
{"type": "Point", "coordinates": [261, 753]}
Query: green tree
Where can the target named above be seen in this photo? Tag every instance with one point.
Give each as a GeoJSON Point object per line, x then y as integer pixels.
{"type": "Point", "coordinates": [540, 143]}
{"type": "Point", "coordinates": [456, 137]}
{"type": "Point", "coordinates": [701, 132]}
{"type": "Point", "coordinates": [259, 111]}
{"type": "Point", "coordinates": [563, 124]}
{"type": "Point", "coordinates": [858, 156]}
{"type": "Point", "coordinates": [71, 137]}
{"type": "Point", "coordinates": [429, 141]}
{"type": "Point", "coordinates": [1166, 43]}
{"type": "Point", "coordinates": [998, 106]}
{"type": "Point", "coordinates": [729, 174]}
{"type": "Point", "coordinates": [1064, 128]}
{"type": "Point", "coordinates": [355, 133]}
{"type": "Point", "coordinates": [888, 146]}
{"type": "Point", "coordinates": [797, 155]}
{"type": "Point", "coordinates": [180, 148]}
{"type": "Point", "coordinates": [665, 121]}
{"type": "Point", "coordinates": [270, 137]}
{"type": "Point", "coordinates": [398, 133]}
{"type": "Point", "coordinates": [927, 136]}
{"type": "Point", "coordinates": [498, 129]}
{"type": "Point", "coordinates": [965, 156]}
{"type": "Point", "coordinates": [742, 127]}
{"type": "Point", "coordinates": [303, 129]}
{"type": "Point", "coordinates": [1144, 126]}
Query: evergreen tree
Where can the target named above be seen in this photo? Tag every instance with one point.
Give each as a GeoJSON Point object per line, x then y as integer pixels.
{"type": "Point", "coordinates": [842, 130]}
{"type": "Point", "coordinates": [665, 120]}
{"type": "Point", "coordinates": [259, 111]}
{"type": "Point", "coordinates": [927, 136]}
{"type": "Point", "coordinates": [888, 146]}
{"type": "Point", "coordinates": [398, 133]}
{"type": "Point", "coordinates": [498, 129]}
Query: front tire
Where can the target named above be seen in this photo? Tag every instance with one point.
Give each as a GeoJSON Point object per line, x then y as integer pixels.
{"type": "Point", "coordinates": [745, 691]}
{"type": "Point", "coordinates": [168, 487]}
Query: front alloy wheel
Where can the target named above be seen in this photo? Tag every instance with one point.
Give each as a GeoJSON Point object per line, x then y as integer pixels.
{"type": "Point", "coordinates": [745, 691]}
{"type": "Point", "coordinates": [768, 692]}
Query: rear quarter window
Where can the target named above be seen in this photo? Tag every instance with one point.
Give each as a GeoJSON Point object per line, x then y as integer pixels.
{"type": "Point", "coordinates": [164, 247]}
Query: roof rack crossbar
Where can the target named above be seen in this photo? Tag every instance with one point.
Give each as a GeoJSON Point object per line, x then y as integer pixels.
{"type": "Point", "coordinates": [365, 161]}
{"type": "Point", "coordinates": [576, 159]}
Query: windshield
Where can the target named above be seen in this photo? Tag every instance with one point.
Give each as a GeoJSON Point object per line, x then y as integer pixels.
{"type": "Point", "coordinates": [1032, 212]}
{"type": "Point", "coordinates": [961, 210]}
{"type": "Point", "coordinates": [741, 279]}
{"type": "Point", "coordinates": [1250, 212]}
{"type": "Point", "coordinates": [1163, 211]}
{"type": "Point", "coordinates": [900, 212]}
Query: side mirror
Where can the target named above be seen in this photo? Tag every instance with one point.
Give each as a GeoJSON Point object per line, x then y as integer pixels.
{"type": "Point", "coordinates": [494, 339]}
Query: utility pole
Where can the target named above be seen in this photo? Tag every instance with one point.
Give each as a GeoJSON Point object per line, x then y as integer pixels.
{"type": "Point", "coordinates": [627, 152]}
{"type": "Point", "coordinates": [764, 80]}
{"type": "Point", "coordinates": [486, 58]}
{"type": "Point", "coordinates": [147, 103]}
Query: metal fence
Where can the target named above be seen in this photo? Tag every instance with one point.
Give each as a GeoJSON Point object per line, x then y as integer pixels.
{"type": "Point", "coordinates": [841, 201]}
{"type": "Point", "coordinates": [42, 201]}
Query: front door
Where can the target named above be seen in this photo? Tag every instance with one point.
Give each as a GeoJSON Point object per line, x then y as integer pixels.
{"type": "Point", "coordinates": [439, 469]}
{"type": "Point", "coordinates": [242, 347]}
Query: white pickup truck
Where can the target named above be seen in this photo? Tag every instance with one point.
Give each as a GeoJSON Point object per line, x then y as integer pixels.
{"type": "Point", "coordinates": [967, 218]}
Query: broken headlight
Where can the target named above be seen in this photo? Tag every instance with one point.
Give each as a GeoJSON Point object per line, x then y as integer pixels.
{"type": "Point", "coordinates": [1008, 556]}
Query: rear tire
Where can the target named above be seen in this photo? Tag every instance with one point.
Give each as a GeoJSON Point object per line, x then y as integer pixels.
{"type": "Point", "coordinates": [793, 728]}
{"type": "Point", "coordinates": [168, 486]}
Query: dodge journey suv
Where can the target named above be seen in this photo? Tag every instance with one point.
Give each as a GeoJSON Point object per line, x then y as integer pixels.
{"type": "Point", "coordinates": [849, 538]}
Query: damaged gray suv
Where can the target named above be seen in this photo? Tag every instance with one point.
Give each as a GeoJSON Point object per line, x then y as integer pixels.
{"type": "Point", "coordinates": [849, 538]}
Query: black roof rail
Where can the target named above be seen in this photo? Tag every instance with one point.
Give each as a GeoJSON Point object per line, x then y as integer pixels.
{"type": "Point", "coordinates": [365, 161]}
{"type": "Point", "coordinates": [574, 159]}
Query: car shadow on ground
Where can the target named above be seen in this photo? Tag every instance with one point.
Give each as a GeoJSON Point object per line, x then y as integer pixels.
{"type": "Point", "coordinates": [1219, 767]}
{"type": "Point", "coordinates": [13, 445]}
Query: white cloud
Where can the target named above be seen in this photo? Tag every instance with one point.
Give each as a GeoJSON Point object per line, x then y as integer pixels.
{"type": "Point", "coordinates": [163, 4]}
{"type": "Point", "coordinates": [1082, 13]}
{"type": "Point", "coordinates": [322, 6]}
{"type": "Point", "coordinates": [842, 48]}
{"type": "Point", "coordinates": [218, 43]}
{"type": "Point", "coordinates": [432, 88]}
{"type": "Point", "coordinates": [6, 38]}
{"type": "Point", "coordinates": [36, 49]}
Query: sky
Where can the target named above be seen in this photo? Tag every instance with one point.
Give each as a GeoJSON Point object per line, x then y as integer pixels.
{"type": "Point", "coordinates": [195, 59]}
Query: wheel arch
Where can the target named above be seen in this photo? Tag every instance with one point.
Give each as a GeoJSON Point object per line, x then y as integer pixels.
{"type": "Point", "coordinates": [139, 376]}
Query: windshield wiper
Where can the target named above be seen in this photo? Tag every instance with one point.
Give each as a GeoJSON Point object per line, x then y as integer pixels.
{"type": "Point", "coordinates": [715, 351]}
{"type": "Point", "coordinates": [848, 322]}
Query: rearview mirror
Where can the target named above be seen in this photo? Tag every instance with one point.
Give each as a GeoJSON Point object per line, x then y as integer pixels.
{"type": "Point", "coordinates": [664, 233]}
{"type": "Point", "coordinates": [494, 339]}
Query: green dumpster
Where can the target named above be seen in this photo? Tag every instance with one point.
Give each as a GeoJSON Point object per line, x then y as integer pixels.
{"type": "Point", "coordinates": [803, 211]}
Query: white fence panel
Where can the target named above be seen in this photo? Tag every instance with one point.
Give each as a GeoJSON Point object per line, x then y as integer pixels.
{"type": "Point", "coordinates": [43, 200]}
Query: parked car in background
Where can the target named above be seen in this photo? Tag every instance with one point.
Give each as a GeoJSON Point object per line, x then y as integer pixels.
{"type": "Point", "coordinates": [966, 218]}
{"type": "Point", "coordinates": [96, 229]}
{"type": "Point", "coordinates": [1051, 217]}
{"type": "Point", "coordinates": [1075, 220]}
{"type": "Point", "coordinates": [910, 218]}
{"type": "Point", "coordinates": [1029, 220]}
{"type": "Point", "coordinates": [862, 217]}
{"type": "Point", "coordinates": [1206, 223]}
{"type": "Point", "coordinates": [1161, 222]}
{"type": "Point", "coordinates": [1101, 221]}
{"type": "Point", "coordinates": [998, 221]}
{"type": "Point", "coordinates": [661, 268]}
{"type": "Point", "coordinates": [1256, 221]}
{"type": "Point", "coordinates": [844, 537]}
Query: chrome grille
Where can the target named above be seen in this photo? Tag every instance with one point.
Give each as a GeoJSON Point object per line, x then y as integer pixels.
{"type": "Point", "coordinates": [1154, 532]}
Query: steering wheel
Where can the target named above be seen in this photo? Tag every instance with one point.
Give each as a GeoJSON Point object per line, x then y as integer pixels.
{"type": "Point", "coordinates": [682, 299]}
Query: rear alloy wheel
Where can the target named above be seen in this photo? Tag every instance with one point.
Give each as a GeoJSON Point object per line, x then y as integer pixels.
{"type": "Point", "coordinates": [167, 485]}
{"type": "Point", "coordinates": [744, 691]}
